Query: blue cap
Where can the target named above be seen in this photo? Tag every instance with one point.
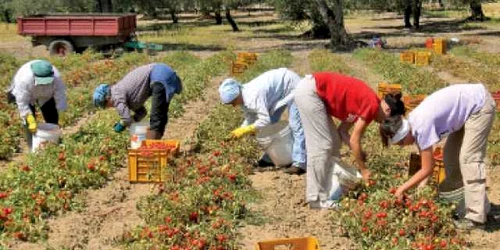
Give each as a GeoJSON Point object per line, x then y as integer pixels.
{"type": "Point", "coordinates": [229, 90]}
{"type": "Point", "coordinates": [100, 94]}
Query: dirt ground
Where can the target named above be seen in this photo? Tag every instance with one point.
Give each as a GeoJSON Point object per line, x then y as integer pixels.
{"type": "Point", "coordinates": [112, 209]}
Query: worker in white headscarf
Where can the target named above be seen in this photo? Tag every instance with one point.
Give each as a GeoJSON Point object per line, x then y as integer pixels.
{"type": "Point", "coordinates": [263, 100]}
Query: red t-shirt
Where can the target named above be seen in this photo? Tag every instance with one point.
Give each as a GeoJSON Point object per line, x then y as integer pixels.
{"type": "Point", "coordinates": [346, 98]}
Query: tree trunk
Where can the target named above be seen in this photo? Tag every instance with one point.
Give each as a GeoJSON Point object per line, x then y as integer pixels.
{"type": "Point", "coordinates": [104, 5]}
{"type": "Point", "coordinates": [231, 21]}
{"type": "Point", "coordinates": [107, 6]}
{"type": "Point", "coordinates": [407, 13]}
{"type": "Point", "coordinates": [175, 19]}
{"type": "Point", "coordinates": [218, 17]}
{"type": "Point", "coordinates": [477, 13]}
{"type": "Point", "coordinates": [417, 9]}
{"type": "Point", "coordinates": [98, 6]}
{"type": "Point", "coordinates": [334, 19]}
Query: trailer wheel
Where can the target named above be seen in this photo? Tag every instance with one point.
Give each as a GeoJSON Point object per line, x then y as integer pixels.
{"type": "Point", "coordinates": [60, 48]}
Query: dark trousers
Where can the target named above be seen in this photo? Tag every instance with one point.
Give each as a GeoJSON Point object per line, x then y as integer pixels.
{"type": "Point", "coordinates": [50, 115]}
{"type": "Point", "coordinates": [159, 108]}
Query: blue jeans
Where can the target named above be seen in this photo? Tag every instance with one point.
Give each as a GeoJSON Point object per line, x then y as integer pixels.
{"type": "Point", "coordinates": [299, 139]}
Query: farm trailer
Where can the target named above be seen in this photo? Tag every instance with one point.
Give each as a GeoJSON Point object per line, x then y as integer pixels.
{"type": "Point", "coordinates": [66, 33]}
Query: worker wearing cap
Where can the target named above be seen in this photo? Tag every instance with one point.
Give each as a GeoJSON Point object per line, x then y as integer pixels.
{"type": "Point", "coordinates": [154, 80]}
{"type": "Point", "coordinates": [464, 113]}
{"type": "Point", "coordinates": [37, 82]}
{"type": "Point", "coordinates": [264, 99]}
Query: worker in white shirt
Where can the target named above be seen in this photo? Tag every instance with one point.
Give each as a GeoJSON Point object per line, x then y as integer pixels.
{"type": "Point", "coordinates": [37, 83]}
{"type": "Point", "coordinates": [264, 99]}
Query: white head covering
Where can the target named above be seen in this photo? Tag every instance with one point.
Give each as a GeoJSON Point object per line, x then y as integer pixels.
{"type": "Point", "coordinates": [402, 132]}
{"type": "Point", "coordinates": [229, 90]}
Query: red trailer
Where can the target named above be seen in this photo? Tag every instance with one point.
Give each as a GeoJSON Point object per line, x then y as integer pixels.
{"type": "Point", "coordinates": [65, 33]}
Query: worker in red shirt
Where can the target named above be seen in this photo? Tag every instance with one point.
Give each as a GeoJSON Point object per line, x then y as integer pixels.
{"type": "Point", "coordinates": [321, 96]}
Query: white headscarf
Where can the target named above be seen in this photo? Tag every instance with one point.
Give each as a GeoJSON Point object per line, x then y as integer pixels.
{"type": "Point", "coordinates": [402, 132]}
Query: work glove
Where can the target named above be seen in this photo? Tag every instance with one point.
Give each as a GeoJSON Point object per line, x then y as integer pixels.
{"type": "Point", "coordinates": [241, 131]}
{"type": "Point", "coordinates": [118, 127]}
{"type": "Point", "coordinates": [31, 122]}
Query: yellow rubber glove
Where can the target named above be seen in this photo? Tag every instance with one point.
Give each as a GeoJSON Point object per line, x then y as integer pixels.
{"type": "Point", "coordinates": [241, 131]}
{"type": "Point", "coordinates": [30, 120]}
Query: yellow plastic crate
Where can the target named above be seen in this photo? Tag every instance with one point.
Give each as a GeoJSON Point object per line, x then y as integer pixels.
{"type": "Point", "coordinates": [148, 164]}
{"type": "Point", "coordinates": [238, 68]}
{"type": "Point", "coordinates": [306, 243]}
{"type": "Point", "coordinates": [247, 57]}
{"type": "Point", "coordinates": [385, 88]}
{"type": "Point", "coordinates": [407, 56]}
{"type": "Point", "coordinates": [439, 46]}
{"type": "Point", "coordinates": [422, 58]}
{"type": "Point", "coordinates": [438, 173]}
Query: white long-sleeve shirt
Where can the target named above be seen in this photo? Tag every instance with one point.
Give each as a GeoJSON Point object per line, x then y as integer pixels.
{"type": "Point", "coordinates": [266, 94]}
{"type": "Point", "coordinates": [27, 93]}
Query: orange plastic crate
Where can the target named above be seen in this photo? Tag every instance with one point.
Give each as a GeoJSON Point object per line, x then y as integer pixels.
{"type": "Point", "coordinates": [306, 243]}
{"type": "Point", "coordinates": [429, 43]}
{"type": "Point", "coordinates": [412, 101]}
{"type": "Point", "coordinates": [439, 46]}
{"type": "Point", "coordinates": [385, 88]}
{"type": "Point", "coordinates": [148, 164]}
{"type": "Point", "coordinates": [496, 97]}
{"type": "Point", "coordinates": [407, 56]}
{"type": "Point", "coordinates": [422, 58]}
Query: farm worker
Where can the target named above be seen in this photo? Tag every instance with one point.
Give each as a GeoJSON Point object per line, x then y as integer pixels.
{"type": "Point", "coordinates": [130, 93]}
{"type": "Point", "coordinates": [319, 97]}
{"type": "Point", "coordinates": [263, 100]}
{"type": "Point", "coordinates": [464, 113]}
{"type": "Point", "coordinates": [39, 83]}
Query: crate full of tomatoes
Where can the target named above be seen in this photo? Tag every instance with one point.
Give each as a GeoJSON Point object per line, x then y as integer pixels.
{"type": "Point", "coordinates": [148, 162]}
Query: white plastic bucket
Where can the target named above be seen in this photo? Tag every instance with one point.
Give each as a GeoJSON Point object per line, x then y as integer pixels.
{"type": "Point", "coordinates": [138, 133]}
{"type": "Point", "coordinates": [46, 132]}
{"type": "Point", "coordinates": [344, 179]}
{"type": "Point", "coordinates": [457, 197]}
{"type": "Point", "coordinates": [276, 139]}
{"type": "Point", "coordinates": [348, 176]}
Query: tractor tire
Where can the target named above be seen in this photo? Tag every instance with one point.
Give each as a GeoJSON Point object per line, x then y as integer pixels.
{"type": "Point", "coordinates": [60, 48]}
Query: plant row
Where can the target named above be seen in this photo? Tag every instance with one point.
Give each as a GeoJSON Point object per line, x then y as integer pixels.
{"type": "Point", "coordinates": [47, 184]}
{"type": "Point", "coordinates": [205, 197]}
{"type": "Point", "coordinates": [371, 215]}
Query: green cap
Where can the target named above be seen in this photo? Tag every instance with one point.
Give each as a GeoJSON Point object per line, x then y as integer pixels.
{"type": "Point", "coordinates": [44, 74]}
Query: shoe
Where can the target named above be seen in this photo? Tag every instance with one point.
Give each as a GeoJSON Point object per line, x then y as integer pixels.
{"type": "Point", "coordinates": [492, 218]}
{"type": "Point", "coordinates": [262, 163]}
{"type": "Point", "coordinates": [294, 170]}
{"type": "Point", "coordinates": [327, 204]}
{"type": "Point", "coordinates": [467, 225]}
